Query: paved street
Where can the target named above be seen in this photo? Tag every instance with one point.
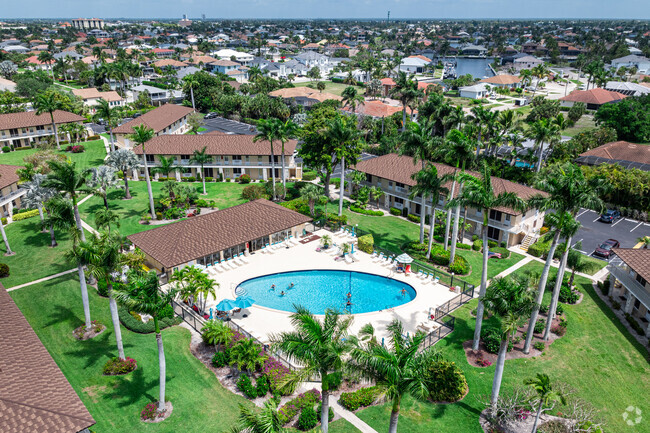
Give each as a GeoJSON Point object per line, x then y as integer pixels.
{"type": "Point", "coordinates": [594, 232]}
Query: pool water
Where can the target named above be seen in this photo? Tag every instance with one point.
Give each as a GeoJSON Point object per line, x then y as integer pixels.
{"type": "Point", "coordinates": [318, 290]}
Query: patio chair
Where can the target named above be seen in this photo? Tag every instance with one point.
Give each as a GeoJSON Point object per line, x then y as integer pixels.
{"type": "Point", "coordinates": [237, 260]}
{"type": "Point", "coordinates": [231, 263]}
{"type": "Point", "coordinates": [348, 258]}
{"type": "Point", "coordinates": [338, 232]}
{"type": "Point", "coordinates": [420, 274]}
{"type": "Point", "coordinates": [244, 258]}
{"type": "Point", "coordinates": [390, 261]}
{"type": "Point", "coordinates": [220, 267]}
{"type": "Point", "coordinates": [436, 280]}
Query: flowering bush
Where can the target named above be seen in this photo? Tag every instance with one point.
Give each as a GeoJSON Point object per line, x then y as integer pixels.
{"type": "Point", "coordinates": [117, 366]}
{"type": "Point", "coordinates": [150, 412]}
{"type": "Point", "coordinates": [360, 398]}
{"type": "Point", "coordinates": [522, 414]}
{"type": "Point", "coordinates": [482, 362]}
{"type": "Point", "coordinates": [275, 371]}
{"type": "Point", "coordinates": [290, 409]}
{"type": "Point", "coordinates": [244, 178]}
{"type": "Point", "coordinates": [245, 385]}
{"type": "Point", "coordinates": [75, 149]}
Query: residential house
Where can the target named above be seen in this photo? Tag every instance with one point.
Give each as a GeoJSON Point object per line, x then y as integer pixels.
{"type": "Point", "coordinates": [35, 396]}
{"type": "Point", "coordinates": [505, 81]}
{"type": "Point", "coordinates": [240, 57]}
{"type": "Point", "coordinates": [222, 66]}
{"type": "Point", "coordinates": [163, 53]}
{"type": "Point", "coordinates": [629, 274]}
{"type": "Point", "coordinates": [592, 98]}
{"type": "Point", "coordinates": [157, 95]}
{"type": "Point", "coordinates": [211, 238]}
{"type": "Point", "coordinates": [91, 97]}
{"type": "Point", "coordinates": [526, 62]}
{"type": "Point", "coordinates": [10, 193]}
{"type": "Point", "coordinates": [88, 23]}
{"type": "Point", "coordinates": [303, 95]}
{"type": "Point", "coordinates": [642, 64]}
{"type": "Point", "coordinates": [474, 50]}
{"type": "Point", "coordinates": [26, 129]}
{"type": "Point", "coordinates": [169, 63]}
{"type": "Point", "coordinates": [623, 153]}
{"type": "Point", "coordinates": [475, 91]}
{"type": "Point", "coordinates": [414, 64]}
{"type": "Point", "coordinates": [313, 59]}
{"type": "Point", "coordinates": [166, 119]}
{"type": "Point", "coordinates": [626, 88]}
{"type": "Point", "coordinates": [392, 173]}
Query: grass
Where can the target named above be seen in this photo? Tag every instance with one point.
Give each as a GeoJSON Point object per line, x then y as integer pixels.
{"type": "Point", "coordinates": [495, 266]}
{"type": "Point", "coordinates": [585, 123]}
{"type": "Point", "coordinates": [593, 264]}
{"type": "Point", "coordinates": [334, 88]}
{"type": "Point", "coordinates": [597, 357]}
{"type": "Point", "coordinates": [92, 157]}
{"type": "Point", "coordinates": [225, 194]}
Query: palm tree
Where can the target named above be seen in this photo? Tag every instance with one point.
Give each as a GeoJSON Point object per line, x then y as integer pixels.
{"type": "Point", "coordinates": [351, 98]}
{"type": "Point", "coordinates": [311, 192]}
{"type": "Point", "coordinates": [511, 301]}
{"type": "Point", "coordinates": [145, 296]}
{"type": "Point", "coordinates": [101, 255]}
{"type": "Point", "coordinates": [36, 194]}
{"type": "Point", "coordinates": [543, 131]}
{"type": "Point", "coordinates": [142, 134]}
{"type": "Point", "coordinates": [539, 71]}
{"type": "Point", "coordinates": [190, 82]}
{"type": "Point", "coordinates": [48, 58]}
{"type": "Point", "coordinates": [110, 115]}
{"type": "Point", "coordinates": [200, 158]}
{"type": "Point", "coordinates": [376, 194]}
{"type": "Point", "coordinates": [105, 217]}
{"type": "Point", "coordinates": [102, 179]}
{"type": "Point", "coordinates": [265, 421]}
{"type": "Point", "coordinates": [268, 130]}
{"type": "Point", "coordinates": [479, 194]}
{"type": "Point", "coordinates": [406, 90]}
{"type": "Point", "coordinates": [65, 178]}
{"type": "Point", "coordinates": [397, 368]}
{"type": "Point", "coordinates": [546, 394]}
{"type": "Point", "coordinates": [286, 131]}
{"type": "Point", "coordinates": [428, 184]}
{"type": "Point", "coordinates": [166, 166]}
{"type": "Point", "coordinates": [344, 137]}
{"type": "Point", "coordinates": [421, 145]}
{"type": "Point", "coordinates": [320, 347]}
{"type": "Point", "coordinates": [49, 102]}
{"type": "Point", "coordinates": [6, 240]}
{"type": "Point", "coordinates": [216, 332]}
{"type": "Point", "coordinates": [124, 160]}
{"type": "Point", "coordinates": [526, 76]}
{"type": "Point", "coordinates": [645, 241]}
{"type": "Point", "coordinates": [60, 215]}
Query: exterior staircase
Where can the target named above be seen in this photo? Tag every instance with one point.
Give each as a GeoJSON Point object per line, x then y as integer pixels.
{"type": "Point", "coordinates": [528, 240]}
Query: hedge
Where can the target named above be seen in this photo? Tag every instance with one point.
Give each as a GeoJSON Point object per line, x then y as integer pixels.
{"type": "Point", "coordinates": [291, 408]}
{"type": "Point", "coordinates": [539, 248]}
{"type": "Point", "coordinates": [135, 325]}
{"type": "Point", "coordinates": [460, 266]}
{"type": "Point", "coordinates": [25, 215]}
{"type": "Point", "coordinates": [363, 211]}
{"type": "Point", "coordinates": [366, 243]}
{"type": "Point", "coordinates": [308, 176]}
{"type": "Point", "coordinates": [445, 381]}
{"type": "Point", "coordinates": [395, 211]}
{"type": "Point", "coordinates": [360, 398]}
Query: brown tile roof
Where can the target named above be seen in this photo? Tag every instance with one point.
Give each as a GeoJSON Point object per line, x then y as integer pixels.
{"type": "Point", "coordinates": [169, 62]}
{"type": "Point", "coordinates": [35, 396]}
{"type": "Point", "coordinates": [28, 119]}
{"type": "Point", "coordinates": [595, 96]}
{"type": "Point", "coordinates": [183, 241]}
{"type": "Point", "coordinates": [224, 63]}
{"type": "Point", "coordinates": [623, 151]}
{"type": "Point", "coordinates": [8, 174]}
{"type": "Point", "coordinates": [216, 144]}
{"type": "Point", "coordinates": [303, 92]}
{"type": "Point", "coordinates": [92, 92]}
{"type": "Point", "coordinates": [378, 109]}
{"type": "Point", "coordinates": [636, 258]}
{"type": "Point", "coordinates": [157, 119]}
{"type": "Point", "coordinates": [400, 169]}
{"type": "Point", "coordinates": [501, 79]}
{"type": "Point", "coordinates": [195, 60]}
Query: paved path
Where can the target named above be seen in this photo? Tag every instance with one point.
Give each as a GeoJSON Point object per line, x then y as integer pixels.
{"type": "Point", "coordinates": [51, 277]}
{"type": "Point", "coordinates": [598, 276]}
{"type": "Point", "coordinates": [516, 266]}
{"type": "Point", "coordinates": [349, 416]}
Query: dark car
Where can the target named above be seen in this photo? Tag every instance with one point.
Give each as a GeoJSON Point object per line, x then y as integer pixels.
{"type": "Point", "coordinates": [211, 115]}
{"type": "Point", "coordinates": [605, 249]}
{"type": "Point", "coordinates": [610, 216]}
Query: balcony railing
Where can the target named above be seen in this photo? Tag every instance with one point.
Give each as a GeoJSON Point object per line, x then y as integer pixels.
{"type": "Point", "coordinates": [638, 290]}
{"type": "Point", "coordinates": [12, 195]}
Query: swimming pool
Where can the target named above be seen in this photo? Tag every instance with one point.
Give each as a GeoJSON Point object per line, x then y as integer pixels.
{"type": "Point", "coordinates": [318, 290]}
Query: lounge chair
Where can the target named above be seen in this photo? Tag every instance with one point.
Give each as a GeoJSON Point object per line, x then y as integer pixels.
{"type": "Point", "coordinates": [220, 267]}
{"type": "Point", "coordinates": [238, 260]}
{"type": "Point", "coordinates": [425, 327]}
{"type": "Point", "coordinates": [230, 262]}
{"type": "Point", "coordinates": [436, 280]}
{"type": "Point", "coordinates": [348, 258]}
{"type": "Point", "coordinates": [338, 232]}
{"type": "Point", "coordinates": [389, 262]}
{"type": "Point", "coordinates": [420, 274]}
{"type": "Point", "coordinates": [244, 258]}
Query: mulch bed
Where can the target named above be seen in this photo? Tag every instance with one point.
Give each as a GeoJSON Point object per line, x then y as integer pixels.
{"type": "Point", "coordinates": [168, 412]}
{"type": "Point", "coordinates": [82, 334]}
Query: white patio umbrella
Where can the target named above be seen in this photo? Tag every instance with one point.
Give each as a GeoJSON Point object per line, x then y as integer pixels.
{"type": "Point", "coordinates": [404, 258]}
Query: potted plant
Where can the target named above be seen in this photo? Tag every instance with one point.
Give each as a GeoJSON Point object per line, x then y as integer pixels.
{"type": "Point", "coordinates": [326, 241]}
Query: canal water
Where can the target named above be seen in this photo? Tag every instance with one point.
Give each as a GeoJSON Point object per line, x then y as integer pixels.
{"type": "Point", "coordinates": [477, 68]}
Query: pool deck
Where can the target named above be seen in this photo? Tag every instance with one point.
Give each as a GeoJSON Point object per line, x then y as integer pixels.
{"type": "Point", "coordinates": [264, 322]}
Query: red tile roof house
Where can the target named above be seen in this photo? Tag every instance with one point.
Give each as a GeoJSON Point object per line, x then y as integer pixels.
{"type": "Point", "coordinates": [592, 98]}
{"type": "Point", "coordinates": [232, 156]}
{"type": "Point", "coordinates": [27, 128]}
{"type": "Point", "coordinates": [210, 238]}
{"type": "Point", "coordinates": [35, 396]}
{"type": "Point", "coordinates": [623, 153]}
{"type": "Point", "coordinates": [392, 173]}
{"type": "Point", "coordinates": [166, 119]}
{"type": "Point", "coordinates": [630, 282]}
{"type": "Point", "coordinates": [10, 193]}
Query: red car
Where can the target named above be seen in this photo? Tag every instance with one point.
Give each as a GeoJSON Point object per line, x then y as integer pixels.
{"type": "Point", "coordinates": [605, 249]}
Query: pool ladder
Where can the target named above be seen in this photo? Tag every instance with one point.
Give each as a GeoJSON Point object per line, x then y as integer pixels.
{"type": "Point", "coordinates": [240, 291]}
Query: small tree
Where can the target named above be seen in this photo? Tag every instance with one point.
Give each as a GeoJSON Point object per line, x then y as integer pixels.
{"type": "Point", "coordinates": [545, 393]}
{"type": "Point", "coordinates": [201, 157]}
{"type": "Point", "coordinates": [311, 193]}
{"type": "Point", "coordinates": [195, 121]}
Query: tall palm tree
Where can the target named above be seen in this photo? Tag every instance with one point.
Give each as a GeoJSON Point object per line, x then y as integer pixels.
{"type": "Point", "coordinates": [200, 158]}
{"type": "Point", "coordinates": [479, 194]}
{"type": "Point", "coordinates": [286, 131]}
{"type": "Point", "coordinates": [6, 240]}
{"type": "Point", "coordinates": [397, 368]}
{"type": "Point", "coordinates": [47, 58]}
{"type": "Point", "coordinates": [265, 421]}
{"type": "Point", "coordinates": [101, 255]}
{"type": "Point", "coordinates": [539, 71]}
{"type": "Point", "coordinates": [567, 192]}
{"type": "Point", "coordinates": [124, 160]}
{"type": "Point", "coordinates": [351, 98]}
{"type": "Point", "coordinates": [546, 394]}
{"type": "Point", "coordinates": [142, 134]}
{"type": "Point", "coordinates": [66, 179]}
{"type": "Point", "coordinates": [144, 296]}
{"type": "Point", "coordinates": [344, 137]}
{"type": "Point", "coordinates": [190, 82]}
{"type": "Point", "coordinates": [110, 115]}
{"type": "Point", "coordinates": [428, 184]}
{"type": "Point", "coordinates": [406, 90]}
{"type": "Point", "coordinates": [543, 131]}
{"type": "Point", "coordinates": [320, 347]}
{"type": "Point", "coordinates": [166, 166]}
{"type": "Point", "coordinates": [268, 130]}
{"type": "Point", "coordinates": [49, 102]}
{"type": "Point", "coordinates": [421, 145]}
{"type": "Point", "coordinates": [311, 192]}
{"type": "Point", "coordinates": [102, 179]}
{"type": "Point", "coordinates": [376, 194]}
{"type": "Point", "coordinates": [36, 194]}
{"type": "Point", "coordinates": [511, 300]}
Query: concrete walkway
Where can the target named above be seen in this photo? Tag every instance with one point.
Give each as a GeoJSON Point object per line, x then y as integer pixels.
{"type": "Point", "coordinates": [51, 277]}
{"type": "Point", "coordinates": [598, 276]}
{"type": "Point", "coordinates": [349, 416]}
{"type": "Point", "coordinates": [516, 266]}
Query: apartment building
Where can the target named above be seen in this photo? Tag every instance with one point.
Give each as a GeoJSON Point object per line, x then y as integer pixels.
{"type": "Point", "coordinates": [232, 156]}
{"type": "Point", "coordinates": [25, 129]}
{"type": "Point", "coordinates": [629, 273]}
{"type": "Point", "coordinates": [166, 119]}
{"type": "Point", "coordinates": [88, 23]}
{"type": "Point", "coordinates": [392, 173]}
{"type": "Point", "coordinates": [91, 97]}
{"type": "Point", "coordinates": [10, 193]}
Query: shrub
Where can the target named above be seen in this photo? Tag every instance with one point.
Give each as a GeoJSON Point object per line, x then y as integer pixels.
{"type": "Point", "coordinates": [363, 211]}
{"type": "Point", "coordinates": [445, 381]}
{"type": "Point", "coordinates": [244, 179]}
{"type": "Point", "coordinates": [188, 179]}
{"type": "Point", "coordinates": [209, 179]}
{"type": "Point", "coordinates": [262, 386]}
{"type": "Point", "coordinates": [544, 308]}
{"type": "Point", "coordinates": [93, 137]}
{"type": "Point", "coordinates": [395, 211]}
{"type": "Point", "coordinates": [477, 245]}
{"type": "Point", "coordinates": [539, 248]}
{"type": "Point", "coordinates": [220, 359]}
{"type": "Point", "coordinates": [330, 412]}
{"type": "Point", "coordinates": [492, 244]}
{"type": "Point", "coordinates": [366, 243]}
{"type": "Point", "coordinates": [253, 192]}
{"type": "Point", "coordinates": [134, 325]}
{"type": "Point", "coordinates": [308, 176]}
{"type": "Point", "coordinates": [634, 324]}
{"type": "Point", "coordinates": [475, 238]}
{"type": "Point", "coordinates": [360, 398]}
{"type": "Point", "coordinates": [604, 287]}
{"type": "Point", "coordinates": [492, 339]}
{"type": "Point", "coordinates": [25, 215]}
{"type": "Point", "coordinates": [275, 372]}
{"type": "Point", "coordinates": [539, 345]}
{"type": "Point", "coordinates": [150, 412]}
{"type": "Point", "coordinates": [558, 330]}
{"type": "Point", "coordinates": [460, 266]}
{"type": "Point", "coordinates": [245, 385]}
{"type": "Point", "coordinates": [116, 366]}
{"type": "Point", "coordinates": [568, 296]}
{"type": "Point", "coordinates": [439, 256]}
{"type": "Point", "coordinates": [4, 270]}
{"type": "Point", "coordinates": [539, 326]}
{"type": "Point", "coordinates": [307, 419]}
{"type": "Point", "coordinates": [291, 408]}
{"type": "Point", "coordinates": [505, 253]}
{"type": "Point", "coordinates": [414, 218]}
{"type": "Point", "coordinates": [615, 304]}
{"type": "Point", "coordinates": [4, 221]}
{"type": "Point", "coordinates": [461, 245]}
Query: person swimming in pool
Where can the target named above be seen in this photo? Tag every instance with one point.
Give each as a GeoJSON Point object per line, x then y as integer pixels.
{"type": "Point", "coordinates": [272, 286]}
{"type": "Point", "coordinates": [282, 293]}
{"type": "Point", "coordinates": [291, 285]}
{"type": "Point", "coordinates": [403, 292]}
{"type": "Point", "coordinates": [349, 295]}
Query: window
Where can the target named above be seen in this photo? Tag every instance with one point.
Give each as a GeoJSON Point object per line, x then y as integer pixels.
{"type": "Point", "coordinates": [236, 157]}
{"type": "Point", "coordinates": [493, 233]}
{"type": "Point", "coordinates": [368, 178]}
{"type": "Point", "coordinates": [641, 280]}
{"type": "Point", "coordinates": [236, 171]}
{"type": "Point", "coordinates": [495, 215]}
{"type": "Point", "coordinates": [399, 200]}
{"type": "Point", "coordinates": [185, 158]}
{"type": "Point", "coordinates": [150, 158]}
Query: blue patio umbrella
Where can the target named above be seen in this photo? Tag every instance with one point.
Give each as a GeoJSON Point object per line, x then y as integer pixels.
{"type": "Point", "coordinates": [244, 302]}
{"type": "Point", "coordinates": [210, 313]}
{"type": "Point", "coordinates": [226, 305]}
{"type": "Point", "coordinates": [352, 249]}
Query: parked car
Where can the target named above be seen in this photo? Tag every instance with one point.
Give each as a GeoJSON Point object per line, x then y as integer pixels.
{"type": "Point", "coordinates": [493, 255]}
{"type": "Point", "coordinates": [605, 249]}
{"type": "Point", "coordinates": [211, 115]}
{"type": "Point", "coordinates": [610, 216]}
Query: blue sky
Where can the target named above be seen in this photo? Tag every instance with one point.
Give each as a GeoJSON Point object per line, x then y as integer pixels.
{"type": "Point", "coordinates": [639, 9]}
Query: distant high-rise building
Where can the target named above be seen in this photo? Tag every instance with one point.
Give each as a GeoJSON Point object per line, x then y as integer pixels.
{"type": "Point", "coordinates": [203, 17]}
{"type": "Point", "coordinates": [88, 23]}
{"type": "Point", "coordinates": [184, 16]}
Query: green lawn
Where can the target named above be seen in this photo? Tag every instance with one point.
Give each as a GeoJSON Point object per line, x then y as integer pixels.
{"type": "Point", "coordinates": [225, 194]}
{"type": "Point", "coordinates": [495, 266]}
{"type": "Point", "coordinates": [335, 88]}
{"type": "Point", "coordinates": [594, 264]}
{"type": "Point", "coordinates": [597, 357]}
{"type": "Point", "coordinates": [92, 157]}
{"type": "Point", "coordinates": [584, 124]}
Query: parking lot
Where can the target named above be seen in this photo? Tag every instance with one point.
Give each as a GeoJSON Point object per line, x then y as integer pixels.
{"type": "Point", "coordinates": [228, 126]}
{"type": "Point", "coordinates": [593, 232]}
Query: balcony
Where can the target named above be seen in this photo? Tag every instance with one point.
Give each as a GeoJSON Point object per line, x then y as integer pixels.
{"type": "Point", "coordinates": [639, 291]}
{"type": "Point", "coordinates": [12, 196]}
